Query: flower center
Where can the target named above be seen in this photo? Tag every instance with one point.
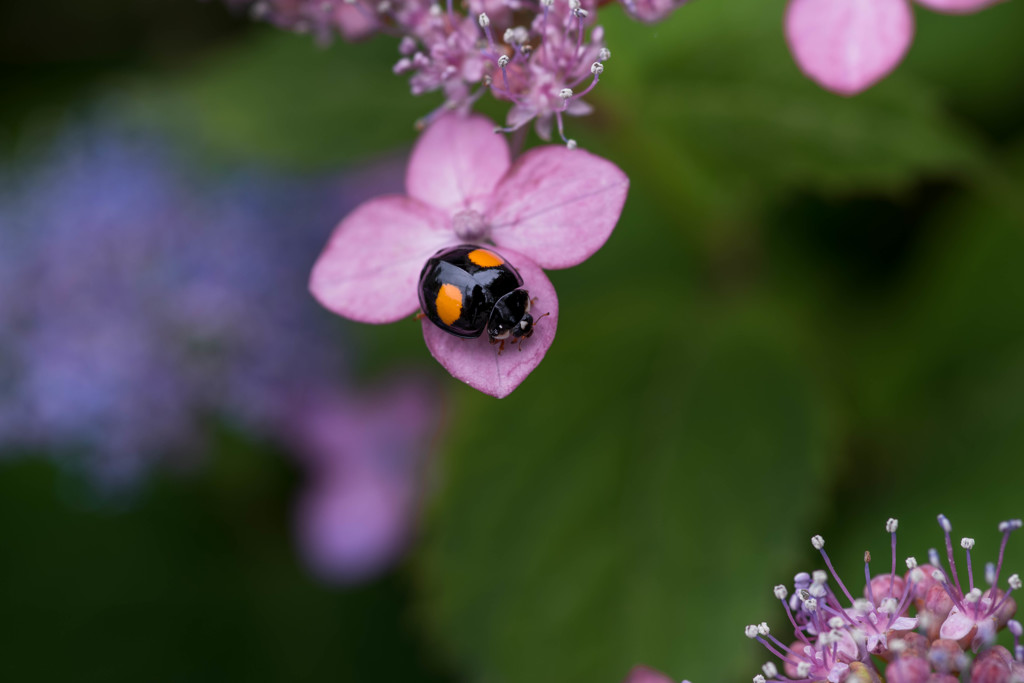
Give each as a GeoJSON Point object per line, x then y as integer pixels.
{"type": "Point", "coordinates": [469, 225]}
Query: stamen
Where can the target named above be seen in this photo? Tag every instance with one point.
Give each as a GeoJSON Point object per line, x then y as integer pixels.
{"type": "Point", "coordinates": [967, 544]}
{"type": "Point", "coordinates": [941, 579]}
{"type": "Point", "coordinates": [946, 529]}
{"type": "Point", "coordinates": [819, 544]}
{"type": "Point", "coordinates": [1006, 528]}
{"type": "Point", "coordinates": [891, 525]}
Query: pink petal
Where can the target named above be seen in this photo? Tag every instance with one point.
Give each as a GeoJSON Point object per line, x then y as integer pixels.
{"type": "Point", "coordinates": [557, 205]}
{"type": "Point", "coordinates": [846, 46]}
{"type": "Point", "coordinates": [477, 362]}
{"type": "Point", "coordinates": [456, 163]}
{"type": "Point", "coordinates": [350, 528]}
{"type": "Point", "coordinates": [369, 270]}
{"type": "Point", "coordinates": [904, 624]}
{"type": "Point", "coordinates": [956, 626]}
{"type": "Point", "coordinates": [957, 6]}
{"type": "Point", "coordinates": [641, 674]}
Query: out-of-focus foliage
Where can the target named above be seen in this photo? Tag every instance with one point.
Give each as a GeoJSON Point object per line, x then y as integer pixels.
{"type": "Point", "coordinates": [807, 321]}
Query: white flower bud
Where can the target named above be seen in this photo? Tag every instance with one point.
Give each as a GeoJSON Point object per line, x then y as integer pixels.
{"type": "Point", "coordinates": [597, 68]}
{"type": "Point", "coordinates": [605, 54]}
{"type": "Point", "coordinates": [565, 93]}
{"type": "Point", "coordinates": [966, 543]}
{"type": "Point", "coordinates": [570, 144]}
{"type": "Point", "coordinates": [503, 61]}
{"type": "Point", "coordinates": [781, 592]}
{"type": "Point", "coordinates": [891, 525]}
{"type": "Point", "coordinates": [751, 631]}
{"type": "Point", "coordinates": [818, 542]}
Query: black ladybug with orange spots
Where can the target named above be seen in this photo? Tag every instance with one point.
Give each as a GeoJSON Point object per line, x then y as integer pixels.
{"type": "Point", "coordinates": [467, 289]}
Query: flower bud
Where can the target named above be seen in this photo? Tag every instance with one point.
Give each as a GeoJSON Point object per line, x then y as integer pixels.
{"type": "Point", "coordinates": [908, 669]}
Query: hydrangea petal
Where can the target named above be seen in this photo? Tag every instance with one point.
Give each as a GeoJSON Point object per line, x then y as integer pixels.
{"type": "Point", "coordinates": [456, 163]}
{"type": "Point", "coordinates": [904, 624]}
{"type": "Point", "coordinates": [350, 528]}
{"type": "Point", "coordinates": [478, 363]}
{"type": "Point", "coordinates": [846, 46]}
{"type": "Point", "coordinates": [957, 6]}
{"type": "Point", "coordinates": [369, 270]}
{"type": "Point", "coordinates": [557, 205]}
{"type": "Point", "coordinates": [956, 626]}
{"type": "Point", "coordinates": [642, 674]}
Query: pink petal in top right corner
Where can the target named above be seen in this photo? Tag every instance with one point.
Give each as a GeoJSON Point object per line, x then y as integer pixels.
{"type": "Point", "coordinates": [847, 46]}
{"type": "Point", "coordinates": [957, 6]}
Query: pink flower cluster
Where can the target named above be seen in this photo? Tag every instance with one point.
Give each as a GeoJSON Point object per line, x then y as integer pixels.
{"type": "Point", "coordinates": [541, 56]}
{"type": "Point", "coordinates": [929, 624]}
{"type": "Point", "coordinates": [847, 46]}
{"type": "Point", "coordinates": [917, 626]}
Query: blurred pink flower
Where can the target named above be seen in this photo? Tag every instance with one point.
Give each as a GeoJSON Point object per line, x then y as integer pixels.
{"type": "Point", "coordinates": [642, 674]}
{"type": "Point", "coordinates": [847, 46]}
{"type": "Point", "coordinates": [553, 208]}
{"type": "Point", "coordinates": [365, 459]}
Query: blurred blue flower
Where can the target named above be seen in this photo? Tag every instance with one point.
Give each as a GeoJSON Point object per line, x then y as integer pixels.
{"type": "Point", "coordinates": [138, 298]}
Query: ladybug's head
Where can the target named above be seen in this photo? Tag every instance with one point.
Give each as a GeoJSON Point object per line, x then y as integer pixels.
{"type": "Point", "coordinates": [511, 316]}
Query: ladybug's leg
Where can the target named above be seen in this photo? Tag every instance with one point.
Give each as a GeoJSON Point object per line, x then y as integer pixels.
{"type": "Point", "coordinates": [501, 347]}
{"type": "Point", "coordinates": [420, 315]}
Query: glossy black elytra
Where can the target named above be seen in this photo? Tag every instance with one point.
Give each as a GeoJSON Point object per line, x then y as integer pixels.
{"type": "Point", "coordinates": [468, 289]}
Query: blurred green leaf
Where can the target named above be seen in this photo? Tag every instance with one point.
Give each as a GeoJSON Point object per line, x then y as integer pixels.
{"type": "Point", "coordinates": [717, 105]}
{"type": "Point", "coordinates": [280, 98]}
{"type": "Point", "coordinates": [199, 581]}
{"type": "Point", "coordinates": [611, 510]}
{"type": "Point", "coordinates": [976, 59]}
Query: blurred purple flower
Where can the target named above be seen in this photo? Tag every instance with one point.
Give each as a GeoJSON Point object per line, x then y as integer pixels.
{"type": "Point", "coordinates": [352, 516]}
{"type": "Point", "coordinates": [137, 299]}
{"type": "Point", "coordinates": [642, 674]}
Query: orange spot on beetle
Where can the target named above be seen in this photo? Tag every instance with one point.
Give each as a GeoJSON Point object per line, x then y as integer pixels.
{"type": "Point", "coordinates": [484, 258]}
{"type": "Point", "coordinates": [449, 304]}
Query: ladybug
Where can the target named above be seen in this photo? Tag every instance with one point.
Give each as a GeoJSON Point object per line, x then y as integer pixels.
{"type": "Point", "coordinates": [467, 289]}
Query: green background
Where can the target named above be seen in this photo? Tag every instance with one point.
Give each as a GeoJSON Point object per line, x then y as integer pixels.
{"type": "Point", "coordinates": [808, 319]}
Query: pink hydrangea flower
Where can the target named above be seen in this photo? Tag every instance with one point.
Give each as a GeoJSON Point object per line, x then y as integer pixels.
{"type": "Point", "coordinates": [552, 208]}
{"type": "Point", "coordinates": [847, 46]}
{"type": "Point", "coordinates": [365, 457]}
{"type": "Point", "coordinates": [839, 644]}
